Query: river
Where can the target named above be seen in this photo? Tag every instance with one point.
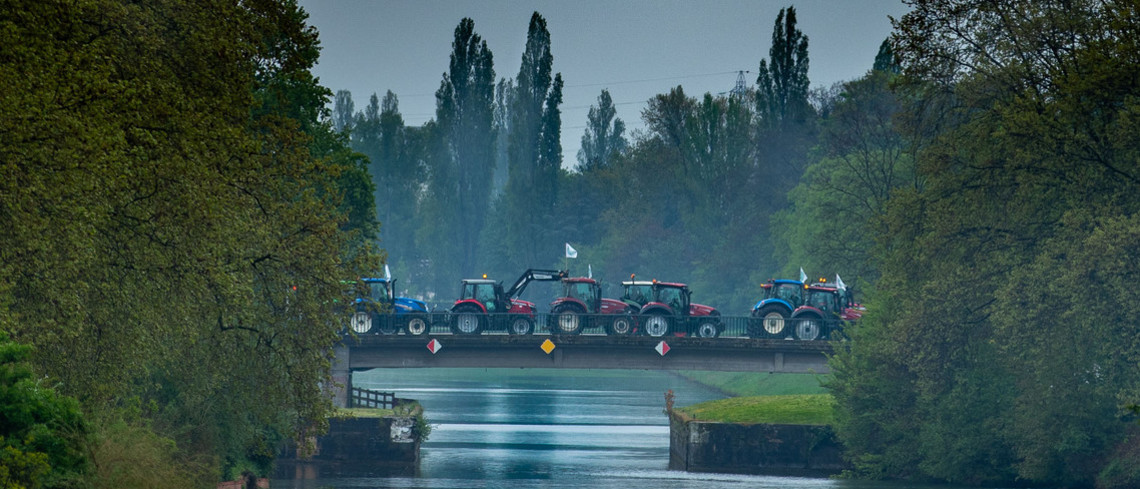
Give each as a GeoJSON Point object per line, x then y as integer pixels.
{"type": "Point", "coordinates": [514, 428]}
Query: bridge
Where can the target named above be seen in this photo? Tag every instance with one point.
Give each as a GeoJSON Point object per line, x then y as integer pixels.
{"type": "Point", "coordinates": [439, 349]}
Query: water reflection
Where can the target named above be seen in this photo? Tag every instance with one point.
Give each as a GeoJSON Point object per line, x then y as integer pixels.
{"type": "Point", "coordinates": [550, 428]}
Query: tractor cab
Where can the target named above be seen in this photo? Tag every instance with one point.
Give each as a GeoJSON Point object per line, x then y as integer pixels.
{"type": "Point", "coordinates": [486, 292]}
{"type": "Point", "coordinates": [379, 290]}
{"type": "Point", "coordinates": [676, 296]}
{"type": "Point", "coordinates": [637, 293]}
{"type": "Point", "coordinates": [585, 290]}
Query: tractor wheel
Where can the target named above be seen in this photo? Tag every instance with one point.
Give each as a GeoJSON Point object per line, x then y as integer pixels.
{"type": "Point", "coordinates": [808, 327]}
{"type": "Point", "coordinates": [388, 324]}
{"type": "Point", "coordinates": [417, 325]}
{"type": "Point", "coordinates": [657, 325]}
{"type": "Point", "coordinates": [773, 321]}
{"type": "Point", "coordinates": [708, 328]}
{"type": "Point", "coordinates": [620, 326]}
{"type": "Point", "coordinates": [361, 322]}
{"type": "Point", "coordinates": [467, 319]}
{"type": "Point", "coordinates": [568, 320]}
{"type": "Point", "coordinates": [520, 325]}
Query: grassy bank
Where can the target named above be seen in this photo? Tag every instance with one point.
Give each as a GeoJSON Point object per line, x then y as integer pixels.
{"type": "Point", "coordinates": [758, 383]}
{"type": "Point", "coordinates": [812, 409]}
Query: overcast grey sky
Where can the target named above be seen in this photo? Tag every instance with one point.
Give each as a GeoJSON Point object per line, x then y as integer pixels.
{"type": "Point", "coordinates": [634, 48]}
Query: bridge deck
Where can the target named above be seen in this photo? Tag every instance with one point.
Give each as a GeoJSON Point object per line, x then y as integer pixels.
{"type": "Point", "coordinates": [585, 351]}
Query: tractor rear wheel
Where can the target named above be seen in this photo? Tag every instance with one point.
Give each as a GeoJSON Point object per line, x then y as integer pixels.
{"type": "Point", "coordinates": [773, 321]}
{"type": "Point", "coordinates": [467, 319]}
{"type": "Point", "coordinates": [361, 322]}
{"type": "Point", "coordinates": [808, 327]}
{"type": "Point", "coordinates": [520, 325]}
{"type": "Point", "coordinates": [568, 320]}
{"type": "Point", "coordinates": [657, 324]}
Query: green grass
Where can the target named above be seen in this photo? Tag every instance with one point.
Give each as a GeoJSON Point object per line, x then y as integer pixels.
{"type": "Point", "coordinates": [758, 383]}
{"type": "Point", "coordinates": [813, 409]}
{"type": "Point", "coordinates": [363, 413]}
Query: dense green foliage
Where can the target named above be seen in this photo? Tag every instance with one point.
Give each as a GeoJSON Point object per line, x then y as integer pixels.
{"type": "Point", "coordinates": [1002, 344]}
{"type": "Point", "coordinates": [814, 409]}
{"type": "Point", "coordinates": [175, 217]}
{"type": "Point", "coordinates": [42, 434]}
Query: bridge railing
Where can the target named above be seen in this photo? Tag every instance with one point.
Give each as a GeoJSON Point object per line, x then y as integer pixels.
{"type": "Point", "coordinates": [445, 323]}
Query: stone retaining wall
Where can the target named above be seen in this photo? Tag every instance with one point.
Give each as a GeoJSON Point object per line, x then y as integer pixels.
{"type": "Point", "coordinates": [357, 447]}
{"type": "Point", "coordinates": [771, 449]}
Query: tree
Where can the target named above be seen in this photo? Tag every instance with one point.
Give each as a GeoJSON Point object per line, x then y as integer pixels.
{"type": "Point", "coordinates": [786, 120]}
{"type": "Point", "coordinates": [459, 187]}
{"type": "Point", "coordinates": [535, 150]}
{"type": "Point", "coordinates": [1012, 271]}
{"type": "Point", "coordinates": [782, 82]}
{"type": "Point", "coordinates": [190, 227]}
{"type": "Point", "coordinates": [342, 119]}
{"type": "Point", "coordinates": [42, 433]}
{"type": "Point", "coordinates": [604, 137]}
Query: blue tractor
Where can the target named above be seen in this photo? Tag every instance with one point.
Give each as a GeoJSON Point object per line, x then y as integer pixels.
{"type": "Point", "coordinates": [382, 312]}
{"type": "Point", "coordinates": [770, 316]}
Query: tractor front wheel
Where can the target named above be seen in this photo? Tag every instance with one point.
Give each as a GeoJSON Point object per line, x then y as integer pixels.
{"type": "Point", "coordinates": [620, 326]}
{"type": "Point", "coordinates": [417, 325]}
{"type": "Point", "coordinates": [708, 328]}
{"type": "Point", "coordinates": [520, 325]}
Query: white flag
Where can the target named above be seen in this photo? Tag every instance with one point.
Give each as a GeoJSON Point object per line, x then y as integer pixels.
{"type": "Point", "coordinates": [839, 283]}
{"type": "Point", "coordinates": [571, 252]}
{"type": "Point", "coordinates": [803, 276]}
{"type": "Point", "coordinates": [387, 272]}
{"type": "Point", "coordinates": [590, 273]}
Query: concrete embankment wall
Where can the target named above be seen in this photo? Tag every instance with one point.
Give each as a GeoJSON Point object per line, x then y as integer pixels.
{"type": "Point", "coordinates": [771, 449]}
{"type": "Point", "coordinates": [357, 447]}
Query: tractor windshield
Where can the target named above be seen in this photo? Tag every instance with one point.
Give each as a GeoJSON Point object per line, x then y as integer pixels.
{"type": "Point", "coordinates": [482, 292]}
{"type": "Point", "coordinates": [586, 292]}
{"type": "Point", "coordinates": [793, 293]}
{"type": "Point", "coordinates": [637, 294]}
{"type": "Point", "coordinates": [824, 300]}
{"type": "Point", "coordinates": [671, 296]}
{"type": "Point", "coordinates": [378, 292]}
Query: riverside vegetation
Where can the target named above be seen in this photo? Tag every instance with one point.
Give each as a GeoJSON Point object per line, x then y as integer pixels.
{"type": "Point", "coordinates": [178, 208]}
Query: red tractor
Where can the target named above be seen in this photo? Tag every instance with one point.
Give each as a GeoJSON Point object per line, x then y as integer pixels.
{"type": "Point", "coordinates": [483, 304]}
{"type": "Point", "coordinates": [826, 307]}
{"type": "Point", "coordinates": [670, 310]}
{"type": "Point", "coordinates": [582, 306]}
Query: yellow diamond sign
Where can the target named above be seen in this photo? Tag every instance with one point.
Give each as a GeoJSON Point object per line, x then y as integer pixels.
{"type": "Point", "coordinates": [547, 346]}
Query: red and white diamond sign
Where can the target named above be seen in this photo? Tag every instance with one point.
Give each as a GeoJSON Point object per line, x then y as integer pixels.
{"type": "Point", "coordinates": [662, 348]}
{"type": "Point", "coordinates": [434, 346]}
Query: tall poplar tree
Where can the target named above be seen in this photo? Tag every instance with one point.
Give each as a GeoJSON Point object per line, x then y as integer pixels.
{"type": "Point", "coordinates": [535, 151]}
{"type": "Point", "coordinates": [461, 170]}
{"type": "Point", "coordinates": [604, 137]}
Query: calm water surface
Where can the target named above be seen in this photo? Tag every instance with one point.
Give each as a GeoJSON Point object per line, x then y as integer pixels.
{"type": "Point", "coordinates": [550, 428]}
